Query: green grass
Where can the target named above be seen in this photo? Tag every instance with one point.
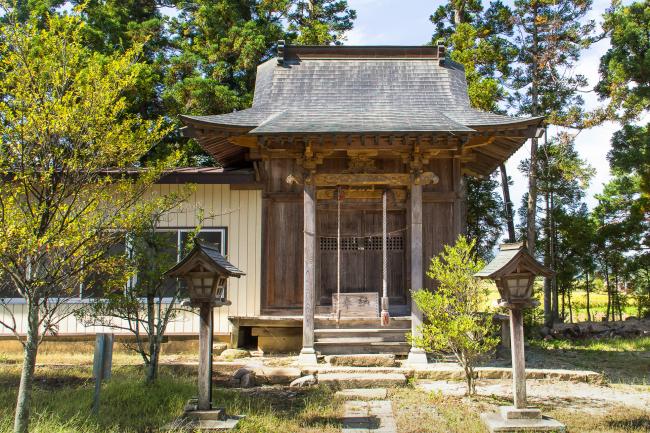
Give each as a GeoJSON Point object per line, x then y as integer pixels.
{"type": "Point", "coordinates": [639, 344]}
{"type": "Point", "coordinates": [63, 397]}
{"type": "Point", "coordinates": [620, 360]}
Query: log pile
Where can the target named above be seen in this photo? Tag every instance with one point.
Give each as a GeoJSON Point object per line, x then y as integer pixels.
{"type": "Point", "coordinates": [629, 328]}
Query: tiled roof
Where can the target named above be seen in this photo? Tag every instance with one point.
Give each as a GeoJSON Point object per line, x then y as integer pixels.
{"type": "Point", "coordinates": [359, 90]}
{"type": "Point", "coordinates": [213, 252]}
{"type": "Point", "coordinates": [508, 254]}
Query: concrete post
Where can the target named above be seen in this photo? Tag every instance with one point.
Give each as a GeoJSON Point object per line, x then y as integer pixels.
{"type": "Point", "coordinates": [307, 354]}
{"type": "Point", "coordinates": [416, 355]}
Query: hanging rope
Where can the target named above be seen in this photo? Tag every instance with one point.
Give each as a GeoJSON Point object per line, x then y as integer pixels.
{"type": "Point", "coordinates": [338, 256]}
{"type": "Point", "coordinates": [385, 316]}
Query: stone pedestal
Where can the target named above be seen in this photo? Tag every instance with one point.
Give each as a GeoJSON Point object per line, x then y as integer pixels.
{"type": "Point", "coordinates": [512, 420]}
{"type": "Point", "coordinates": [194, 419]}
{"type": "Point", "coordinates": [416, 356]}
{"type": "Point", "coordinates": [307, 357]}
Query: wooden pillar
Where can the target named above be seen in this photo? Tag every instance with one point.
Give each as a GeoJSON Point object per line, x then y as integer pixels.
{"type": "Point", "coordinates": [205, 357]}
{"type": "Point", "coordinates": [307, 354]}
{"type": "Point", "coordinates": [416, 355]}
{"type": "Point", "coordinates": [518, 359]}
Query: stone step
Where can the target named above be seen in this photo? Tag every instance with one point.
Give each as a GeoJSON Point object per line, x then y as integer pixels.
{"type": "Point", "coordinates": [361, 346]}
{"type": "Point", "coordinates": [358, 337]}
{"type": "Point", "coordinates": [346, 332]}
{"type": "Point", "coordinates": [361, 380]}
{"type": "Point", "coordinates": [327, 369]}
{"type": "Point", "coordinates": [362, 360]}
{"type": "Point", "coordinates": [362, 323]}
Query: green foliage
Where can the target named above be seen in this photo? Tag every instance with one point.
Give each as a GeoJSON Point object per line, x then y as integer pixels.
{"type": "Point", "coordinates": [484, 214]}
{"type": "Point", "coordinates": [456, 319]}
{"type": "Point", "coordinates": [625, 67]}
{"type": "Point", "coordinates": [478, 40]}
{"type": "Point", "coordinates": [150, 302]}
{"type": "Point", "coordinates": [65, 120]}
{"type": "Point", "coordinates": [550, 36]}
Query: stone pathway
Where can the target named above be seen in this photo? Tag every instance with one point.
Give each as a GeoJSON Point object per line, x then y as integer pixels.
{"type": "Point", "coordinates": [374, 416]}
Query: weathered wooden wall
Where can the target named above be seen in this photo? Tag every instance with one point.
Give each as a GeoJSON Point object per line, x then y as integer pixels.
{"type": "Point", "coordinates": [240, 211]}
{"type": "Point", "coordinates": [283, 233]}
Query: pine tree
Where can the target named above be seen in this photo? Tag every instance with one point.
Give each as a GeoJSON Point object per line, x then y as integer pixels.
{"type": "Point", "coordinates": [562, 177]}
{"type": "Point", "coordinates": [478, 40]}
{"type": "Point", "coordinates": [550, 36]}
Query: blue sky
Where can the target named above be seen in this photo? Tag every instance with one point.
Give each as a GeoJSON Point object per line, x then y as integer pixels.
{"type": "Point", "coordinates": [406, 22]}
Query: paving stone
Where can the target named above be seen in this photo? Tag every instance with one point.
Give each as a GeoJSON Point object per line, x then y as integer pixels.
{"type": "Point", "coordinates": [496, 424]}
{"type": "Point", "coordinates": [361, 380]}
{"type": "Point", "coordinates": [377, 360]}
{"type": "Point", "coordinates": [368, 417]}
{"type": "Point", "coordinates": [230, 354]}
{"type": "Point", "coordinates": [363, 393]}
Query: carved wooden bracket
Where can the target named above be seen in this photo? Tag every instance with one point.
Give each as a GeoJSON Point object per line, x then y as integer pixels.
{"type": "Point", "coordinates": [374, 179]}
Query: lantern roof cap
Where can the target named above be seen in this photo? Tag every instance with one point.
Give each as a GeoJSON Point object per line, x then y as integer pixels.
{"type": "Point", "coordinates": [207, 254]}
{"type": "Point", "coordinates": [513, 258]}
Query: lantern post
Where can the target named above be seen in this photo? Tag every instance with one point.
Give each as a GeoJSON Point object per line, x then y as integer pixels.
{"type": "Point", "coordinates": [513, 271]}
{"type": "Point", "coordinates": [204, 273]}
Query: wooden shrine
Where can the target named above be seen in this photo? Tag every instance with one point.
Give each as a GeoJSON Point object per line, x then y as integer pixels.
{"type": "Point", "coordinates": [339, 136]}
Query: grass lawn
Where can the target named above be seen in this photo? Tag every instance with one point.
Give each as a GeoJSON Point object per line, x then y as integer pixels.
{"type": "Point", "coordinates": [63, 395]}
{"type": "Point", "coordinates": [624, 361]}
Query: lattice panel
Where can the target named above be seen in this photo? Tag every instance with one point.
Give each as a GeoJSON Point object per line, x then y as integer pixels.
{"type": "Point", "coordinates": [348, 243]}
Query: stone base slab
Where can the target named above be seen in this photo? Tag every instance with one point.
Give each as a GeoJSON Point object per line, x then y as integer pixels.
{"type": "Point", "coordinates": [206, 415]}
{"type": "Point", "coordinates": [497, 424]}
{"type": "Point", "coordinates": [511, 412]}
{"type": "Point", "coordinates": [187, 425]}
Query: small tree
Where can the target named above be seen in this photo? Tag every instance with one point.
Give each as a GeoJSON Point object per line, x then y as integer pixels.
{"type": "Point", "coordinates": [146, 306]}
{"type": "Point", "coordinates": [457, 318]}
{"type": "Point", "coordinates": [63, 121]}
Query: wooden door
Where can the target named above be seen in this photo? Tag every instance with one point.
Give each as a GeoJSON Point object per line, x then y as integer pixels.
{"type": "Point", "coordinates": [283, 254]}
{"type": "Point", "coordinates": [361, 253]}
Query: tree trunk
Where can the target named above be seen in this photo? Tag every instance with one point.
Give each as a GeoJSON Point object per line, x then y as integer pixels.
{"type": "Point", "coordinates": [552, 243]}
{"type": "Point", "coordinates": [568, 294]}
{"type": "Point", "coordinates": [563, 305]}
{"type": "Point", "coordinates": [506, 198]}
{"type": "Point", "coordinates": [23, 403]}
{"type": "Point", "coordinates": [152, 367]}
{"type": "Point", "coordinates": [617, 299]}
{"type": "Point", "coordinates": [588, 303]}
{"type": "Point", "coordinates": [548, 292]}
{"type": "Point", "coordinates": [609, 292]}
{"type": "Point", "coordinates": [534, 111]}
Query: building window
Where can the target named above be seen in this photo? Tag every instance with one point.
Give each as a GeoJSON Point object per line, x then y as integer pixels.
{"type": "Point", "coordinates": [178, 238]}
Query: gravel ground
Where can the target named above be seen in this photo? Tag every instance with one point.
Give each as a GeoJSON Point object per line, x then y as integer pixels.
{"type": "Point", "coordinates": [580, 396]}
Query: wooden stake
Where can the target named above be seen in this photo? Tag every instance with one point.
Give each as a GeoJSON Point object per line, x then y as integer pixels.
{"type": "Point", "coordinates": [518, 358]}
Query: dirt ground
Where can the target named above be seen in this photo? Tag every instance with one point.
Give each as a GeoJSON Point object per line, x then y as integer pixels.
{"type": "Point", "coordinates": [584, 397]}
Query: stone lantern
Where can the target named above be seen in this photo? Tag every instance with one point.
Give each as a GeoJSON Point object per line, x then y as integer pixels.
{"type": "Point", "coordinates": [514, 271]}
{"type": "Point", "coordinates": [205, 273]}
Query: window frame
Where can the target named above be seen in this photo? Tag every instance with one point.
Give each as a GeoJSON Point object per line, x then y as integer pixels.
{"type": "Point", "coordinates": [80, 299]}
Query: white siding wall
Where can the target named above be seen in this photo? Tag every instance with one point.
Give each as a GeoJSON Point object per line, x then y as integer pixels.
{"type": "Point", "coordinates": [240, 212]}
